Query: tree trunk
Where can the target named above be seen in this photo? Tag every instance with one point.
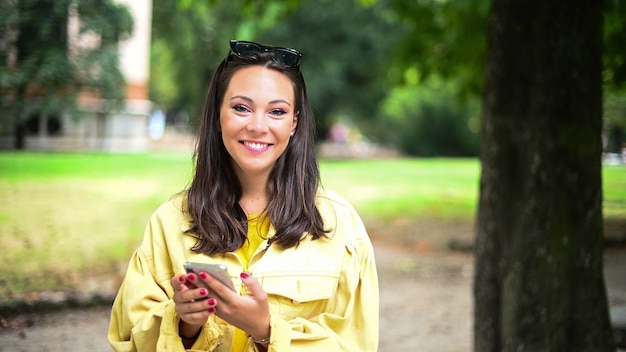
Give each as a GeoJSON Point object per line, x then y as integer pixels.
{"type": "Point", "coordinates": [19, 134]}
{"type": "Point", "coordinates": [19, 141]}
{"type": "Point", "coordinates": [616, 139]}
{"type": "Point", "coordinates": [539, 283]}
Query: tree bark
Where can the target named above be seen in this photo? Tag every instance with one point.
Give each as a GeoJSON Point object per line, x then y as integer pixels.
{"type": "Point", "coordinates": [539, 283]}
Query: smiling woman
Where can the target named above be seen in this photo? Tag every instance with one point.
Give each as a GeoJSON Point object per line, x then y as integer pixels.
{"type": "Point", "coordinates": [299, 257]}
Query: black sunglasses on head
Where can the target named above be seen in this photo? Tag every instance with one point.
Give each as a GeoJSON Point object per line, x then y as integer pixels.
{"type": "Point", "coordinates": [284, 56]}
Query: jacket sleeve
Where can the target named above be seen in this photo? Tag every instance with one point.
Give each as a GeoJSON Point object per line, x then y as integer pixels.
{"type": "Point", "coordinates": [350, 321]}
{"type": "Point", "coordinates": [143, 316]}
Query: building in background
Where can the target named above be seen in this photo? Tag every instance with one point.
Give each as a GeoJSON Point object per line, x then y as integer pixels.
{"type": "Point", "coordinates": [97, 128]}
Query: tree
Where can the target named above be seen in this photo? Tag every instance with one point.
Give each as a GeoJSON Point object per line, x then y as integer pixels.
{"type": "Point", "coordinates": [538, 276]}
{"type": "Point", "coordinates": [615, 76]}
{"type": "Point", "coordinates": [615, 122]}
{"type": "Point", "coordinates": [187, 44]}
{"type": "Point", "coordinates": [445, 38]}
{"type": "Point", "coordinates": [42, 72]}
{"type": "Point", "coordinates": [190, 38]}
{"type": "Point", "coordinates": [344, 61]}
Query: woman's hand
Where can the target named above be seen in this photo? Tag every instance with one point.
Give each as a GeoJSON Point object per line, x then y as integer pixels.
{"type": "Point", "coordinates": [249, 313]}
{"type": "Point", "coordinates": [193, 304]}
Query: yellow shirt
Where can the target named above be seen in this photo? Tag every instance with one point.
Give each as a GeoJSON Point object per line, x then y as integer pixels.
{"type": "Point", "coordinates": [258, 228]}
{"type": "Point", "coordinates": [323, 294]}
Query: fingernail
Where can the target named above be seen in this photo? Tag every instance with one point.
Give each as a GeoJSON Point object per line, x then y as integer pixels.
{"type": "Point", "coordinates": [244, 275]}
{"type": "Point", "coordinates": [191, 277]}
{"type": "Point", "coordinates": [203, 275]}
{"type": "Point", "coordinates": [202, 292]}
{"type": "Point", "coordinates": [211, 302]}
{"type": "Point", "coordinates": [211, 310]}
{"type": "Point", "coordinates": [181, 278]}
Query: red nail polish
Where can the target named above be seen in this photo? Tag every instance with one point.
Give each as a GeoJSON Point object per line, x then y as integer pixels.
{"type": "Point", "coordinates": [211, 310]}
{"type": "Point", "coordinates": [181, 278]}
{"type": "Point", "coordinates": [202, 292]}
{"type": "Point", "coordinates": [211, 302]}
{"type": "Point", "coordinates": [191, 277]}
{"type": "Point", "coordinates": [244, 275]}
{"type": "Point", "coordinates": [203, 275]}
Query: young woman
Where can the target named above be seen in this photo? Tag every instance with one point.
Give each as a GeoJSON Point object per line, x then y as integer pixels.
{"type": "Point", "coordinates": [299, 257]}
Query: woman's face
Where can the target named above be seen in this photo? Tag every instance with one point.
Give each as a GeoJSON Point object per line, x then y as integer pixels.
{"type": "Point", "coordinates": [256, 118]}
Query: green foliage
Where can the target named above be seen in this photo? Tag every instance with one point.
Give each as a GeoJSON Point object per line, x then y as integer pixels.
{"type": "Point", "coordinates": [190, 37]}
{"type": "Point", "coordinates": [445, 38]}
{"type": "Point", "coordinates": [112, 21]}
{"type": "Point", "coordinates": [614, 122]}
{"type": "Point", "coordinates": [615, 109]}
{"type": "Point", "coordinates": [360, 57]}
{"type": "Point", "coordinates": [345, 49]}
{"type": "Point", "coordinates": [99, 67]}
{"type": "Point", "coordinates": [427, 119]}
{"type": "Point", "coordinates": [188, 41]}
{"type": "Point", "coordinates": [614, 38]}
{"type": "Point", "coordinates": [344, 61]}
{"type": "Point", "coordinates": [45, 75]}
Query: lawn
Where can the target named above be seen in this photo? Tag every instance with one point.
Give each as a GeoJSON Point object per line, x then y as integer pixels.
{"type": "Point", "coordinates": [67, 216]}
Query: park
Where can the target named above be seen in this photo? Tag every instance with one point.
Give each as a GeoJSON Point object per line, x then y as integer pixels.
{"type": "Point", "coordinates": [481, 142]}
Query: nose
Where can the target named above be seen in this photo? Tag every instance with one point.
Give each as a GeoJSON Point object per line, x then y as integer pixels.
{"type": "Point", "coordinates": [257, 123]}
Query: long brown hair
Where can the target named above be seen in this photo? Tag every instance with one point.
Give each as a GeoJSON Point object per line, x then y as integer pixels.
{"type": "Point", "coordinates": [219, 223]}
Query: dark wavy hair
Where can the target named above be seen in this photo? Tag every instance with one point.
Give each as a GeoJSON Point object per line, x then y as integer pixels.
{"type": "Point", "coordinates": [219, 223]}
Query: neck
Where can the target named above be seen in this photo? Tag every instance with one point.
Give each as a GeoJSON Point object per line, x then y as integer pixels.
{"type": "Point", "coordinates": [254, 196]}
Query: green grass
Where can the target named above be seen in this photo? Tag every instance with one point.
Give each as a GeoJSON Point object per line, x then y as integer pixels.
{"type": "Point", "coordinates": [68, 216]}
{"type": "Point", "coordinates": [444, 189]}
{"type": "Point", "coordinates": [614, 186]}
{"type": "Point", "coordinates": [64, 217]}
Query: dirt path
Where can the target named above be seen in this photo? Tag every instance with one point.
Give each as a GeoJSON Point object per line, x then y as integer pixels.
{"type": "Point", "coordinates": [426, 305]}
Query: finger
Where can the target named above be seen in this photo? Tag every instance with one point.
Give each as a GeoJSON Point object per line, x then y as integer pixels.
{"type": "Point", "coordinates": [187, 295]}
{"type": "Point", "coordinates": [176, 281]}
{"type": "Point", "coordinates": [193, 306]}
{"type": "Point", "coordinates": [254, 287]}
{"type": "Point", "coordinates": [196, 312]}
{"type": "Point", "coordinates": [196, 280]}
{"type": "Point", "coordinates": [181, 279]}
{"type": "Point", "coordinates": [217, 288]}
{"type": "Point", "coordinates": [193, 295]}
{"type": "Point", "coordinates": [197, 317]}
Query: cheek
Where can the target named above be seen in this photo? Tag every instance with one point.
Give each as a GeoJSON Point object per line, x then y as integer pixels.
{"type": "Point", "coordinates": [227, 125]}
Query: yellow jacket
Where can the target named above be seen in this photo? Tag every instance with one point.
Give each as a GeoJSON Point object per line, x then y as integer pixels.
{"type": "Point", "coordinates": [323, 294]}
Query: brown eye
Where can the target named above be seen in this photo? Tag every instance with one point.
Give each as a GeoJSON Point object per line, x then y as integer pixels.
{"type": "Point", "coordinates": [240, 108]}
{"type": "Point", "coordinates": [278, 112]}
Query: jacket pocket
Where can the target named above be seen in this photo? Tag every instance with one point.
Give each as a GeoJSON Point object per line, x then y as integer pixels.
{"type": "Point", "coordinates": [299, 294]}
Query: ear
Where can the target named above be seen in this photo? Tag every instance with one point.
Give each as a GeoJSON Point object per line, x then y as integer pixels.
{"type": "Point", "coordinates": [294, 123]}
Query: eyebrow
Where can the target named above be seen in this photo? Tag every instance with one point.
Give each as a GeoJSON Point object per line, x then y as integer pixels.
{"type": "Point", "coordinates": [248, 99]}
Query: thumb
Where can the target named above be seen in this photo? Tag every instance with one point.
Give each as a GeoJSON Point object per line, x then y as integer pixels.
{"type": "Point", "coordinates": [253, 285]}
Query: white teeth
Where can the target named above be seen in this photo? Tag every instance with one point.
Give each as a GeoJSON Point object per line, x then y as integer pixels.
{"type": "Point", "coordinates": [255, 145]}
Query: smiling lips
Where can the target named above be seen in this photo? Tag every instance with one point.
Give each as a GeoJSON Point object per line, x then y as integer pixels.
{"type": "Point", "coordinates": [256, 146]}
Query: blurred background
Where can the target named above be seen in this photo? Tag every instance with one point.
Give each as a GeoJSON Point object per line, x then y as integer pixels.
{"type": "Point", "coordinates": [100, 100]}
{"type": "Point", "coordinates": [406, 77]}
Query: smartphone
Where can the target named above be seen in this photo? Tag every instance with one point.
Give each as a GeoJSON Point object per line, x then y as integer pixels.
{"type": "Point", "coordinates": [218, 271]}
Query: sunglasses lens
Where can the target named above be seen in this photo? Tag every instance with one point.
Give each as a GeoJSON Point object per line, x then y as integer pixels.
{"type": "Point", "coordinates": [247, 48]}
{"type": "Point", "coordinates": [287, 57]}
